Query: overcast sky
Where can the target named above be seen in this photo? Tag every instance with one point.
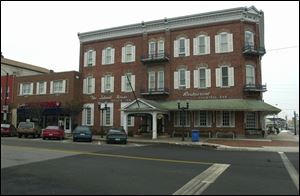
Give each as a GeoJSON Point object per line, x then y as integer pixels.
{"type": "Point", "coordinates": [45, 34]}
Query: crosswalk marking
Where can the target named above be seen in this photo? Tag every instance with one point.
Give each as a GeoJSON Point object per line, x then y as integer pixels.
{"type": "Point", "coordinates": [198, 184]}
{"type": "Point", "coordinates": [291, 169]}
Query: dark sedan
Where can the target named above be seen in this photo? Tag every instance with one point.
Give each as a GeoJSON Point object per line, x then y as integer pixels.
{"type": "Point", "coordinates": [82, 133]}
{"type": "Point", "coordinates": [116, 135]}
{"type": "Point", "coordinates": [8, 130]}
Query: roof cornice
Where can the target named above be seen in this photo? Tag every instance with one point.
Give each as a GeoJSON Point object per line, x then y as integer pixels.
{"type": "Point", "coordinates": [250, 14]}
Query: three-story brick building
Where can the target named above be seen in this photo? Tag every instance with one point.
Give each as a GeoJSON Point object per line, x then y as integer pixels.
{"type": "Point", "coordinates": [141, 72]}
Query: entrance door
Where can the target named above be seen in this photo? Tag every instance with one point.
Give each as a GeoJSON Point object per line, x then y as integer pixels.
{"type": "Point", "coordinates": [67, 125]}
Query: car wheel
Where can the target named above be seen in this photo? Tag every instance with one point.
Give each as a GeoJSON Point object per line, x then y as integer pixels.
{"type": "Point", "coordinates": [44, 138]}
{"type": "Point", "coordinates": [19, 135]}
{"type": "Point", "coordinates": [74, 140]}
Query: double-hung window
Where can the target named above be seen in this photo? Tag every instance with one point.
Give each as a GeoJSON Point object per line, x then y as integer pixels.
{"type": "Point", "coordinates": [88, 114]}
{"type": "Point", "coordinates": [203, 118]}
{"type": "Point", "coordinates": [152, 49]}
{"type": "Point", "coordinates": [181, 47]}
{"type": "Point", "coordinates": [151, 80]}
{"type": "Point", "coordinates": [128, 53]}
{"type": "Point", "coordinates": [58, 86]}
{"type": "Point", "coordinates": [224, 42]}
{"type": "Point", "coordinates": [182, 78]}
{"type": "Point", "coordinates": [249, 39]}
{"type": "Point", "coordinates": [90, 58]}
{"type": "Point", "coordinates": [250, 120]}
{"type": "Point", "coordinates": [160, 80]}
{"type": "Point", "coordinates": [89, 85]}
{"type": "Point", "coordinates": [108, 56]}
{"type": "Point", "coordinates": [225, 76]}
{"type": "Point", "coordinates": [26, 89]}
{"type": "Point", "coordinates": [41, 88]}
{"type": "Point", "coordinates": [107, 84]}
{"type": "Point", "coordinates": [161, 48]}
{"type": "Point", "coordinates": [202, 78]}
{"type": "Point", "coordinates": [201, 45]}
{"type": "Point", "coordinates": [225, 119]}
{"type": "Point", "coordinates": [250, 75]}
{"type": "Point", "coordinates": [128, 78]}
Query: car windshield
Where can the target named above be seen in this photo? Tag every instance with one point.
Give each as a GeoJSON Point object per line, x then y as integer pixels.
{"type": "Point", "coordinates": [82, 129]}
{"type": "Point", "coordinates": [120, 131]}
{"type": "Point", "coordinates": [26, 125]}
{"type": "Point", "coordinates": [5, 125]}
{"type": "Point", "coordinates": [52, 127]}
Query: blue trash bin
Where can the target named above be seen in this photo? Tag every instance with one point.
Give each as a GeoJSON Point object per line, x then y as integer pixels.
{"type": "Point", "coordinates": [195, 135]}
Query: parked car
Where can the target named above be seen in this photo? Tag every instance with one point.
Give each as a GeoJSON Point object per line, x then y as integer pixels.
{"type": "Point", "coordinates": [53, 132]}
{"type": "Point", "coordinates": [82, 133]}
{"type": "Point", "coordinates": [8, 130]}
{"type": "Point", "coordinates": [116, 135]}
{"type": "Point", "coordinates": [29, 128]}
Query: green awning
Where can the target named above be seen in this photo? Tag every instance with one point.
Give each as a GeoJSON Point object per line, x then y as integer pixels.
{"type": "Point", "coordinates": [223, 104]}
{"type": "Point", "coordinates": [204, 105]}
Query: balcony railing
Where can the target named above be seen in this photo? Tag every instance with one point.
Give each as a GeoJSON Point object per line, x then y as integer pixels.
{"type": "Point", "coordinates": [157, 57]}
{"type": "Point", "coordinates": [155, 91]}
{"type": "Point", "coordinates": [252, 50]}
{"type": "Point", "coordinates": [255, 87]}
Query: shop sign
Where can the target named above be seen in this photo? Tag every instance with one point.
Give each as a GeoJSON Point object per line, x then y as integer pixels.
{"type": "Point", "coordinates": [204, 95]}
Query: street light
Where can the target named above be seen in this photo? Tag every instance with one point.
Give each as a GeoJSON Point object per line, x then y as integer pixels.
{"type": "Point", "coordinates": [102, 109]}
{"type": "Point", "coordinates": [182, 118]}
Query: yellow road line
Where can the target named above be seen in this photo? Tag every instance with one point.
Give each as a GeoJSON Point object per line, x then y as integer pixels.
{"type": "Point", "coordinates": [116, 155]}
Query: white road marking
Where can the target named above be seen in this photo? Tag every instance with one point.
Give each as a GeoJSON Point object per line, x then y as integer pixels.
{"type": "Point", "coordinates": [199, 183]}
{"type": "Point", "coordinates": [291, 169]}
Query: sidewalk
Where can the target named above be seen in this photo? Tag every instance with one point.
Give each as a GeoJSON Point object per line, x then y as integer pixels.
{"type": "Point", "coordinates": [285, 141]}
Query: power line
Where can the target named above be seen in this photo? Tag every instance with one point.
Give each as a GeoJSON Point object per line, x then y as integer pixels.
{"type": "Point", "coordinates": [288, 47]}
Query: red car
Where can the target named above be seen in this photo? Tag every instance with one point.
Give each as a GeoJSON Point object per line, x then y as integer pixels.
{"type": "Point", "coordinates": [8, 130]}
{"type": "Point", "coordinates": [53, 132]}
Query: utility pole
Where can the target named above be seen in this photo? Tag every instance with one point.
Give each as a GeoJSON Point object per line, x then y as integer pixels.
{"type": "Point", "coordinates": [5, 100]}
{"type": "Point", "coordinates": [295, 122]}
{"type": "Point", "coordinates": [286, 123]}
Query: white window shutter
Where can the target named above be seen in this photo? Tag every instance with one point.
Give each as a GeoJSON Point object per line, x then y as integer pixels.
{"type": "Point", "coordinates": [209, 118]}
{"type": "Point", "coordinates": [123, 84]}
{"type": "Point", "coordinates": [176, 45]}
{"type": "Point", "coordinates": [112, 86]}
{"type": "Point", "coordinates": [232, 119]}
{"type": "Point", "coordinates": [133, 53]}
{"type": "Point", "coordinates": [83, 121]}
{"type": "Point", "coordinates": [37, 88]}
{"type": "Point", "coordinates": [231, 76]}
{"type": "Point", "coordinates": [85, 59]}
{"type": "Point", "coordinates": [93, 85]}
{"type": "Point", "coordinates": [207, 45]}
{"type": "Point", "coordinates": [103, 57]}
{"type": "Point", "coordinates": [64, 86]}
{"type": "Point", "coordinates": [218, 119]}
{"type": "Point", "coordinates": [176, 80]}
{"type": "Point", "coordinates": [84, 87]}
{"type": "Point", "coordinates": [21, 89]}
{"type": "Point", "coordinates": [45, 87]}
{"type": "Point", "coordinates": [195, 46]}
{"type": "Point", "coordinates": [187, 47]}
{"type": "Point", "coordinates": [208, 78]}
{"type": "Point", "coordinates": [112, 55]}
{"type": "Point", "coordinates": [230, 42]}
{"type": "Point", "coordinates": [111, 114]}
{"type": "Point", "coordinates": [217, 46]}
{"type": "Point", "coordinates": [102, 85]}
{"type": "Point", "coordinates": [51, 87]}
{"type": "Point", "coordinates": [218, 77]}
{"type": "Point", "coordinates": [196, 78]}
{"type": "Point", "coordinates": [92, 114]}
{"type": "Point", "coordinates": [31, 88]}
{"type": "Point", "coordinates": [123, 54]}
{"type": "Point", "coordinates": [133, 82]}
{"type": "Point", "coordinates": [188, 80]}
{"type": "Point", "coordinates": [94, 58]}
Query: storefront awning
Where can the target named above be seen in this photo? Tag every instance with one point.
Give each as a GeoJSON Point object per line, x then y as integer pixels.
{"type": "Point", "coordinates": [207, 105]}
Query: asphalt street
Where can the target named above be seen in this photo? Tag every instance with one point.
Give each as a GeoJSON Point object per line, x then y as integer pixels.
{"type": "Point", "coordinates": [34, 166]}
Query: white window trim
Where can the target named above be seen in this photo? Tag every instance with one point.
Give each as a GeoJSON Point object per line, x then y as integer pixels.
{"type": "Point", "coordinates": [132, 52]}
{"type": "Point", "coordinates": [63, 90]}
{"type": "Point", "coordinates": [219, 120]}
{"type": "Point", "coordinates": [196, 50]}
{"type": "Point", "coordinates": [30, 89]}
{"type": "Point", "coordinates": [229, 42]}
{"type": "Point", "coordinates": [44, 83]}
{"type": "Point", "coordinates": [177, 119]}
{"type": "Point", "coordinates": [208, 119]}
{"type": "Point", "coordinates": [84, 114]}
{"type": "Point", "coordinates": [253, 73]}
{"type": "Point", "coordinates": [122, 116]}
{"type": "Point", "coordinates": [111, 106]}
{"type": "Point", "coordinates": [104, 56]}
{"type": "Point", "coordinates": [219, 82]}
